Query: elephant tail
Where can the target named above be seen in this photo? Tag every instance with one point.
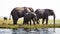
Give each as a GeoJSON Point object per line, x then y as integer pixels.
{"type": "Point", "coordinates": [10, 17]}
{"type": "Point", "coordinates": [11, 13]}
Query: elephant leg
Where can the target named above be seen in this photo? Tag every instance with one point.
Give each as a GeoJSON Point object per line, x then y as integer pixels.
{"type": "Point", "coordinates": [25, 21]}
{"type": "Point", "coordinates": [46, 20]}
{"type": "Point", "coordinates": [33, 21]}
{"type": "Point", "coordinates": [15, 18]}
{"type": "Point", "coordinates": [37, 20]}
{"type": "Point", "coordinates": [30, 22]}
{"type": "Point", "coordinates": [43, 20]}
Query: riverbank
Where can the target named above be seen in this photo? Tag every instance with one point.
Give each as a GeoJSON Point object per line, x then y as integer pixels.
{"type": "Point", "coordinates": [30, 26]}
{"type": "Point", "coordinates": [9, 24]}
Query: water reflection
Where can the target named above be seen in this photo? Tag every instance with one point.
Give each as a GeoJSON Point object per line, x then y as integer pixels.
{"type": "Point", "coordinates": [5, 31]}
{"type": "Point", "coordinates": [28, 31]}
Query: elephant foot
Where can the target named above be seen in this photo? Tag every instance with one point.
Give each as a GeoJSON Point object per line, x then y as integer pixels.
{"type": "Point", "coordinates": [34, 23]}
{"type": "Point", "coordinates": [37, 23]}
{"type": "Point", "coordinates": [30, 24]}
{"type": "Point", "coordinates": [24, 24]}
{"type": "Point", "coordinates": [15, 24]}
{"type": "Point", "coordinates": [43, 23]}
{"type": "Point", "coordinates": [46, 24]}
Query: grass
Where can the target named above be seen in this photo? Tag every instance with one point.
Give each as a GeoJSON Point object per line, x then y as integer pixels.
{"type": "Point", "coordinates": [9, 24]}
{"type": "Point", "coordinates": [29, 26]}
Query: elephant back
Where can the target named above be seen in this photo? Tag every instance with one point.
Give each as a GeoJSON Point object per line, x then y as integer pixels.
{"type": "Point", "coordinates": [42, 11]}
{"type": "Point", "coordinates": [19, 8]}
{"type": "Point", "coordinates": [49, 11]}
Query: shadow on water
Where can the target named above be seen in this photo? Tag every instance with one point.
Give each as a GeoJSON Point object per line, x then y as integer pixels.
{"type": "Point", "coordinates": [28, 31]}
{"type": "Point", "coordinates": [33, 31]}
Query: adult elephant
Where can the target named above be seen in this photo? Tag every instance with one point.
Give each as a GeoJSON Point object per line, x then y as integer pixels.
{"type": "Point", "coordinates": [19, 12]}
{"type": "Point", "coordinates": [28, 17]}
{"type": "Point", "coordinates": [44, 13]}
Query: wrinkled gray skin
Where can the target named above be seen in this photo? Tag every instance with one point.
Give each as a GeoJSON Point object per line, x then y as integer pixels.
{"type": "Point", "coordinates": [44, 13]}
{"type": "Point", "coordinates": [28, 17]}
{"type": "Point", "coordinates": [19, 12]}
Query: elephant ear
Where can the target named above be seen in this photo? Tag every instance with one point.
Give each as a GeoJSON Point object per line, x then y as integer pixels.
{"type": "Point", "coordinates": [51, 12]}
{"type": "Point", "coordinates": [37, 11]}
{"type": "Point", "coordinates": [31, 9]}
{"type": "Point", "coordinates": [28, 10]}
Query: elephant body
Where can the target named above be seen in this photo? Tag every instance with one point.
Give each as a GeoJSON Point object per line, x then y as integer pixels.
{"type": "Point", "coordinates": [44, 13]}
{"type": "Point", "coordinates": [19, 12]}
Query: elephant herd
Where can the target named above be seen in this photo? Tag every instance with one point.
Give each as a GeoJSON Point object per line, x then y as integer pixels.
{"type": "Point", "coordinates": [29, 14]}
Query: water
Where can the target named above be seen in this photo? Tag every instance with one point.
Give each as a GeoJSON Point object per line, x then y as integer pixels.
{"type": "Point", "coordinates": [30, 31]}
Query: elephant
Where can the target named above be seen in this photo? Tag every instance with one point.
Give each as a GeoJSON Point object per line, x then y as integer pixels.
{"type": "Point", "coordinates": [28, 17]}
{"type": "Point", "coordinates": [19, 12]}
{"type": "Point", "coordinates": [43, 14]}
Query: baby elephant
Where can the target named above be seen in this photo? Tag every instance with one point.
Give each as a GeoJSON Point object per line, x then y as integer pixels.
{"type": "Point", "coordinates": [28, 17]}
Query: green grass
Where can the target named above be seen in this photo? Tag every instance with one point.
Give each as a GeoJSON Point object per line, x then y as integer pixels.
{"type": "Point", "coordinates": [20, 21]}
{"type": "Point", "coordinates": [9, 24]}
{"type": "Point", "coordinates": [29, 26]}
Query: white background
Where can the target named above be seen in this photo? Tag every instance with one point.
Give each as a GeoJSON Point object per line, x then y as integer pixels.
{"type": "Point", "coordinates": [6, 6]}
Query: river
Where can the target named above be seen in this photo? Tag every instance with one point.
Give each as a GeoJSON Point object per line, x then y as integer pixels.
{"type": "Point", "coordinates": [30, 31]}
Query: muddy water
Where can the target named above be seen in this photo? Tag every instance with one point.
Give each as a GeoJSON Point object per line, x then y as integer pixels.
{"type": "Point", "coordinates": [30, 31]}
